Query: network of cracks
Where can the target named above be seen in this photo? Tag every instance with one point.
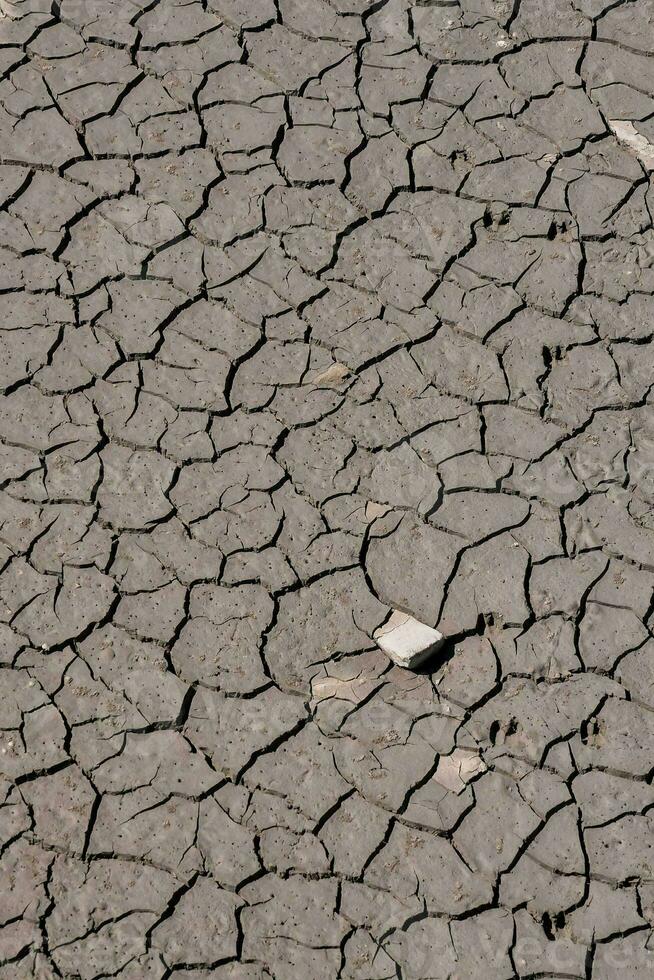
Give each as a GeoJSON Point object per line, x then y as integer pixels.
{"type": "Point", "coordinates": [311, 310]}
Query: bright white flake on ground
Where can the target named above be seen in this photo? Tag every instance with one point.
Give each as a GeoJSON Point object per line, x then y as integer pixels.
{"type": "Point", "coordinates": [627, 133]}
{"type": "Point", "coordinates": [407, 641]}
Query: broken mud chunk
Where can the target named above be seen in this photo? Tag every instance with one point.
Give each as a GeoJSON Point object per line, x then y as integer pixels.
{"type": "Point", "coordinates": [456, 770]}
{"type": "Point", "coordinates": [406, 641]}
{"type": "Point", "coordinates": [334, 374]}
{"type": "Point", "coordinates": [627, 134]}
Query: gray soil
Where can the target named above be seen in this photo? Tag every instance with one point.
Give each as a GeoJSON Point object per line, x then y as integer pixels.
{"type": "Point", "coordinates": [311, 310]}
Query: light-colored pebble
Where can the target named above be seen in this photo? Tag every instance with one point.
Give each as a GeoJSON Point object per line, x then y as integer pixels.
{"type": "Point", "coordinates": [406, 641]}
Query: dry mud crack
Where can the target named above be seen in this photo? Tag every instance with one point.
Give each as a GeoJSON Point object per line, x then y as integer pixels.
{"type": "Point", "coordinates": [313, 309]}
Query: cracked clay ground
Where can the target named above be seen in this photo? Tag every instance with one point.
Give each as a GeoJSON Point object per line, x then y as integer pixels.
{"type": "Point", "coordinates": [311, 310]}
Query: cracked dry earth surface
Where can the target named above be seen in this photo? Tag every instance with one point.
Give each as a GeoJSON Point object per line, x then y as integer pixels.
{"type": "Point", "coordinates": [311, 310]}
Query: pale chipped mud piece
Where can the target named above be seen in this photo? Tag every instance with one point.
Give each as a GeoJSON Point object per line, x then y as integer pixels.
{"type": "Point", "coordinates": [333, 375]}
{"type": "Point", "coordinates": [408, 642]}
{"type": "Point", "coordinates": [455, 771]}
{"type": "Point", "coordinates": [351, 680]}
{"type": "Point", "coordinates": [627, 133]}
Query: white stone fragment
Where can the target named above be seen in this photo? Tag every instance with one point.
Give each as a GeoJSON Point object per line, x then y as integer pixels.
{"type": "Point", "coordinates": [406, 641]}
{"type": "Point", "coordinates": [627, 133]}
